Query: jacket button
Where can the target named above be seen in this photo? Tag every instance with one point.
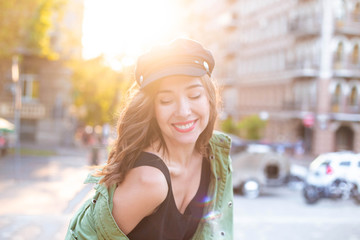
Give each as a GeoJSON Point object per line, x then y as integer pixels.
{"type": "Point", "coordinates": [230, 204]}
{"type": "Point", "coordinates": [211, 157]}
{"type": "Point", "coordinates": [222, 233]}
{"type": "Point", "coordinates": [93, 201]}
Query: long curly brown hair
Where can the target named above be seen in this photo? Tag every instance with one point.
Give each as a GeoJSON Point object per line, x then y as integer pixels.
{"type": "Point", "coordinates": [137, 129]}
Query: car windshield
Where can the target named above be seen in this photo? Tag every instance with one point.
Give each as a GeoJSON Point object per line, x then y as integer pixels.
{"type": "Point", "coordinates": [319, 161]}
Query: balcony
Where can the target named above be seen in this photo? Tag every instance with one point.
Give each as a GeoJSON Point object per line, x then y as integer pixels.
{"type": "Point", "coordinates": [301, 69]}
{"type": "Point", "coordinates": [353, 109]}
{"type": "Point", "coordinates": [28, 111]}
{"type": "Point", "coordinates": [297, 106]}
{"type": "Point", "coordinates": [305, 26]}
{"type": "Point", "coordinates": [346, 70]}
{"type": "Point", "coordinates": [347, 27]}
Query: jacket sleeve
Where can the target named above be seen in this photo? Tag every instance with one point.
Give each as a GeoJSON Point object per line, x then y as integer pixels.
{"type": "Point", "coordinates": [94, 219]}
{"type": "Point", "coordinates": [81, 225]}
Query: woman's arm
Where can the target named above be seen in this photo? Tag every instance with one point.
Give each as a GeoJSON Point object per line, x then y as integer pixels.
{"type": "Point", "coordinates": [142, 191]}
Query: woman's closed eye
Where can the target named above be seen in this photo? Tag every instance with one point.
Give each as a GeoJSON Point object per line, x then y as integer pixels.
{"type": "Point", "coordinates": [165, 101]}
{"type": "Point", "coordinates": [195, 96]}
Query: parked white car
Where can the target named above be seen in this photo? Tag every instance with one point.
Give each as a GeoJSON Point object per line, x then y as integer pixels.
{"type": "Point", "coordinates": [333, 175]}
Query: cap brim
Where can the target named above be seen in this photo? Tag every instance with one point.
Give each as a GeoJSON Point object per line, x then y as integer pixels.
{"type": "Point", "coordinates": [187, 70]}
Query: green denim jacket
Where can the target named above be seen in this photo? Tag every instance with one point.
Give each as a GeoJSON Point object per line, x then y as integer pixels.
{"type": "Point", "coordinates": [95, 221]}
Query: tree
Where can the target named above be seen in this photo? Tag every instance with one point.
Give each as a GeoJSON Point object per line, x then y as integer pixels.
{"type": "Point", "coordinates": [97, 90]}
{"type": "Point", "coordinates": [25, 26]}
{"type": "Point", "coordinates": [251, 127]}
{"type": "Point", "coordinates": [229, 126]}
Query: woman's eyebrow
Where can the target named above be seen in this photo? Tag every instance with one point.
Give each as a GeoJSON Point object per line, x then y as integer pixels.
{"type": "Point", "coordinates": [194, 86]}
{"type": "Point", "coordinates": [187, 88]}
{"type": "Point", "coordinates": [164, 91]}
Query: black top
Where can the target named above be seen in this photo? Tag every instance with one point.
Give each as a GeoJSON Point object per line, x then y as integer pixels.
{"type": "Point", "coordinates": [167, 223]}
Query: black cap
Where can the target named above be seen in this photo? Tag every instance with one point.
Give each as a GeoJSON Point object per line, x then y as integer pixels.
{"type": "Point", "coordinates": [180, 57]}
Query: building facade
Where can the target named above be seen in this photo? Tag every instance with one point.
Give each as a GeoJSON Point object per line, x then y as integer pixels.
{"type": "Point", "coordinates": [295, 63]}
{"type": "Point", "coordinates": [45, 116]}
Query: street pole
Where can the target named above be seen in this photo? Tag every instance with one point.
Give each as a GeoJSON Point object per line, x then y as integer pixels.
{"type": "Point", "coordinates": [17, 110]}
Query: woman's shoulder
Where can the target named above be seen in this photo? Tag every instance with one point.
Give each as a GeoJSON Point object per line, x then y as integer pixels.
{"type": "Point", "coordinates": [149, 175]}
{"type": "Point", "coordinates": [220, 139]}
{"type": "Point", "coordinates": [143, 183]}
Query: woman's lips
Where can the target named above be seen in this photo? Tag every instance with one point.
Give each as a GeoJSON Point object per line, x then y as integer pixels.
{"type": "Point", "coordinates": [184, 127]}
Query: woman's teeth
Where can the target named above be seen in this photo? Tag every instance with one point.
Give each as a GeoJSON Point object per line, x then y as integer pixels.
{"type": "Point", "coordinates": [185, 126]}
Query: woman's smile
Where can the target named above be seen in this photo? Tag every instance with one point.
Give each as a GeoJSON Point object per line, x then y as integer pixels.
{"type": "Point", "coordinates": [185, 127]}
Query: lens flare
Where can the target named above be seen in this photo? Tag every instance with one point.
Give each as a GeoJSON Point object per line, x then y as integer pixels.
{"type": "Point", "coordinates": [212, 216]}
{"type": "Point", "coordinates": [206, 200]}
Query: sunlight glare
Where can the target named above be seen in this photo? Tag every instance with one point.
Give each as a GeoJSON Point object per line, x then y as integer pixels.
{"type": "Point", "coordinates": [126, 28]}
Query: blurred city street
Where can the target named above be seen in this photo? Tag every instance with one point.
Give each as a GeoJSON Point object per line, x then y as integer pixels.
{"type": "Point", "coordinates": [40, 193]}
{"type": "Point", "coordinates": [38, 199]}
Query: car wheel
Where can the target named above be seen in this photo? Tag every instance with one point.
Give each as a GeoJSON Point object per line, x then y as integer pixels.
{"type": "Point", "coordinates": [311, 194]}
{"type": "Point", "coordinates": [251, 188]}
{"type": "Point", "coordinates": [340, 189]}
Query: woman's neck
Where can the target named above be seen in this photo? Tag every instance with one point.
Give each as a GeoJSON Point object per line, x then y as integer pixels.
{"type": "Point", "coordinates": [176, 154]}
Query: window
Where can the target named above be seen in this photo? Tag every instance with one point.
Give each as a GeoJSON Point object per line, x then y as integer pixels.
{"type": "Point", "coordinates": [336, 98]}
{"type": "Point", "coordinates": [353, 96]}
{"type": "Point", "coordinates": [356, 11]}
{"type": "Point", "coordinates": [339, 54]}
{"type": "Point", "coordinates": [340, 9]}
{"type": "Point", "coordinates": [30, 87]}
{"type": "Point", "coordinates": [355, 54]}
{"type": "Point", "coordinates": [345, 164]}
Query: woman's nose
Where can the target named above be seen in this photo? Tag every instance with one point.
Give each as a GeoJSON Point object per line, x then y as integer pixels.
{"type": "Point", "coordinates": [183, 108]}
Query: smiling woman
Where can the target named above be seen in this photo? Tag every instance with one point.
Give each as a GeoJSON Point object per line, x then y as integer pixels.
{"type": "Point", "coordinates": [168, 174]}
{"type": "Point", "coordinates": [126, 28]}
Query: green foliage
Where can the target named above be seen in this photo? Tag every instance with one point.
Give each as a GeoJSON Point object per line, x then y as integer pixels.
{"type": "Point", "coordinates": [251, 127]}
{"type": "Point", "coordinates": [229, 126]}
{"type": "Point", "coordinates": [25, 26]}
{"type": "Point", "coordinates": [97, 90]}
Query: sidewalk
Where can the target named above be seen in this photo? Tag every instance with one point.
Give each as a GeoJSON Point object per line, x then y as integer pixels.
{"type": "Point", "coordinates": [39, 203]}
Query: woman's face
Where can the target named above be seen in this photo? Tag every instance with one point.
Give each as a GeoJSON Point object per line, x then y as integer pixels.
{"type": "Point", "coordinates": [182, 109]}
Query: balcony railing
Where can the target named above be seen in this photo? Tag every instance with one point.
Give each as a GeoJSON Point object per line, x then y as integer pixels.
{"type": "Point", "coordinates": [28, 111]}
{"type": "Point", "coordinates": [305, 26]}
{"type": "Point", "coordinates": [334, 108]}
{"type": "Point", "coordinates": [297, 106]}
{"type": "Point", "coordinates": [346, 69]}
{"type": "Point", "coordinates": [347, 26]}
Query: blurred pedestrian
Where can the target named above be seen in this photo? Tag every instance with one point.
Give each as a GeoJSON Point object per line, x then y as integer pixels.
{"type": "Point", "coordinates": [168, 175]}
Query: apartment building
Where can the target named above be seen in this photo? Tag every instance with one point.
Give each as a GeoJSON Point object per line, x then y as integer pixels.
{"type": "Point", "coordinates": [45, 113]}
{"type": "Point", "coordinates": [295, 63]}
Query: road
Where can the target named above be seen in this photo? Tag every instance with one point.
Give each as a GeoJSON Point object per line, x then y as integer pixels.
{"type": "Point", "coordinates": [39, 203]}
{"type": "Point", "coordinates": [281, 214]}
{"type": "Point", "coordinates": [39, 194]}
